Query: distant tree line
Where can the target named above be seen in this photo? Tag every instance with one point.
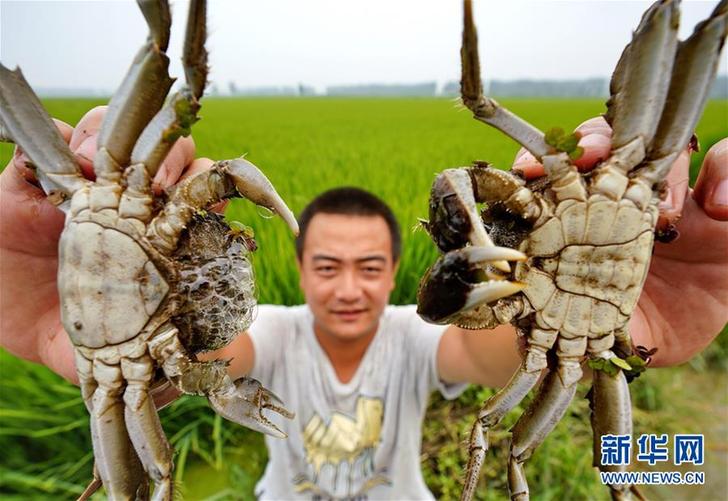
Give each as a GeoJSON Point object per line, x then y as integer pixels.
{"type": "Point", "coordinates": [587, 88]}
{"type": "Point", "coordinates": [591, 87]}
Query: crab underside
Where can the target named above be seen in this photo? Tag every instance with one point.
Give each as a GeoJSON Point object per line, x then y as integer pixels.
{"type": "Point", "coordinates": [581, 243]}
{"type": "Point", "coordinates": [145, 281]}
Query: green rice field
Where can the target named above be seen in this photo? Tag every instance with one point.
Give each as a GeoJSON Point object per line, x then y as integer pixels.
{"type": "Point", "coordinates": [392, 147]}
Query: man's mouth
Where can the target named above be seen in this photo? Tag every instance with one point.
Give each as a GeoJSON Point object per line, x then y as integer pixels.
{"type": "Point", "coordinates": [349, 314]}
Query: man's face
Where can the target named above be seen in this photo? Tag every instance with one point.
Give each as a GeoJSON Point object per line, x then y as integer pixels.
{"type": "Point", "coordinates": [347, 273]}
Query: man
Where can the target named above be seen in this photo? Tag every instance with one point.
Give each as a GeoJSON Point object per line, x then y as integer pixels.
{"type": "Point", "coordinates": [356, 371]}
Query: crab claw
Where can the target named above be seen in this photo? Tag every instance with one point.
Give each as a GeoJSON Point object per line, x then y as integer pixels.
{"type": "Point", "coordinates": [253, 185]}
{"type": "Point", "coordinates": [244, 402]}
{"type": "Point", "coordinates": [454, 218]}
{"type": "Point", "coordinates": [455, 283]}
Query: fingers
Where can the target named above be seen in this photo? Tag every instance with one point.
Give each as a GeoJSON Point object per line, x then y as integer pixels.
{"type": "Point", "coordinates": [83, 144]}
{"type": "Point", "coordinates": [526, 164]}
{"type": "Point", "coordinates": [711, 188]}
{"type": "Point", "coordinates": [677, 185]}
{"type": "Point", "coordinates": [595, 140]}
{"type": "Point", "coordinates": [179, 157]}
{"type": "Point", "coordinates": [197, 166]}
{"type": "Point", "coordinates": [83, 140]}
{"type": "Point", "coordinates": [596, 125]}
{"type": "Point", "coordinates": [596, 149]}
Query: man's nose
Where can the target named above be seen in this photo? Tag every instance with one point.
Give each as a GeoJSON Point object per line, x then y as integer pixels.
{"type": "Point", "coordinates": [348, 288]}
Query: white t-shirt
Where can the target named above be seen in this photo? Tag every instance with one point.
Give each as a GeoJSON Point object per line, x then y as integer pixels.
{"type": "Point", "coordinates": [360, 440]}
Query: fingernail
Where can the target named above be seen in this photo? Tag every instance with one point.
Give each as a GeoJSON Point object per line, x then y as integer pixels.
{"type": "Point", "coordinates": [719, 197]}
{"type": "Point", "coordinates": [596, 148]}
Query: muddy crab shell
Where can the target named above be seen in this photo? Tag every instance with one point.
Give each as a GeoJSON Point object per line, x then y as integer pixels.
{"type": "Point", "coordinates": [216, 284]}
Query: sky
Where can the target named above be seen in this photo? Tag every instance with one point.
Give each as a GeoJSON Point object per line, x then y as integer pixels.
{"type": "Point", "coordinates": [255, 43]}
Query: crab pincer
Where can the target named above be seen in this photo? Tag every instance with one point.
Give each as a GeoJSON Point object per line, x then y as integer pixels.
{"type": "Point", "coordinates": [455, 283]}
{"type": "Point", "coordinates": [244, 403]}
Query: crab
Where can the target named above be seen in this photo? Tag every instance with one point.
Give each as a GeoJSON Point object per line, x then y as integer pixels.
{"type": "Point", "coordinates": [146, 282]}
{"type": "Point", "coordinates": [581, 243]}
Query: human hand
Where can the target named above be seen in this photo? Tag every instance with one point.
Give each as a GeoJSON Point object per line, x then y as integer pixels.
{"type": "Point", "coordinates": [30, 227]}
{"type": "Point", "coordinates": [684, 302]}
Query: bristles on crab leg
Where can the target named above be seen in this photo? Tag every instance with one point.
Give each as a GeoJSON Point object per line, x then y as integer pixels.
{"type": "Point", "coordinates": [138, 98]}
{"type": "Point", "coordinates": [28, 124]}
{"type": "Point", "coordinates": [484, 108]}
{"type": "Point", "coordinates": [491, 185]}
{"type": "Point", "coordinates": [695, 66]}
{"type": "Point", "coordinates": [180, 112]}
{"type": "Point", "coordinates": [639, 88]}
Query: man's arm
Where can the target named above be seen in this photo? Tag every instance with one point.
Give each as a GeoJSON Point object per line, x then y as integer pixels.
{"type": "Point", "coordinates": [484, 357]}
{"type": "Point", "coordinates": [239, 352]}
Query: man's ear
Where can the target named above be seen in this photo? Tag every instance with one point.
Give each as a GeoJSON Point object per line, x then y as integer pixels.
{"type": "Point", "coordinates": [299, 266]}
{"type": "Point", "coordinates": [395, 267]}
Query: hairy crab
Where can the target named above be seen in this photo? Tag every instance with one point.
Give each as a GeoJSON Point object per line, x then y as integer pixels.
{"type": "Point", "coordinates": [581, 242]}
{"type": "Point", "coordinates": [146, 282]}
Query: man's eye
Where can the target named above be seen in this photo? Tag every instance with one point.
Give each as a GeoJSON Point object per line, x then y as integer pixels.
{"type": "Point", "coordinates": [370, 270]}
{"type": "Point", "coordinates": [325, 269]}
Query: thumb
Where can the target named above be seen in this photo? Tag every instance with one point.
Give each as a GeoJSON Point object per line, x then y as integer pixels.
{"type": "Point", "coordinates": [711, 188]}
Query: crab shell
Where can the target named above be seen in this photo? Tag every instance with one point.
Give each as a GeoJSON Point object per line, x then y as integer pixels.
{"type": "Point", "coordinates": [587, 264]}
{"type": "Point", "coordinates": [109, 282]}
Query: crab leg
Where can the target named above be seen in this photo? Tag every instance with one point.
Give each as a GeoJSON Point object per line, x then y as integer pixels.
{"type": "Point", "coordinates": [5, 136]}
{"type": "Point", "coordinates": [143, 426]}
{"type": "Point", "coordinates": [497, 406]}
{"type": "Point", "coordinates": [640, 82]}
{"type": "Point", "coordinates": [695, 66]}
{"type": "Point", "coordinates": [494, 185]}
{"type": "Point", "coordinates": [484, 108]}
{"type": "Point", "coordinates": [224, 179]}
{"type": "Point", "coordinates": [175, 119]}
{"type": "Point", "coordinates": [139, 97]}
{"type": "Point", "coordinates": [26, 122]}
{"type": "Point", "coordinates": [136, 472]}
{"type": "Point", "coordinates": [561, 172]}
{"type": "Point", "coordinates": [242, 401]}
{"type": "Point", "coordinates": [540, 418]}
{"type": "Point", "coordinates": [178, 115]}
{"type": "Point", "coordinates": [611, 415]}
{"type": "Point", "coordinates": [116, 459]}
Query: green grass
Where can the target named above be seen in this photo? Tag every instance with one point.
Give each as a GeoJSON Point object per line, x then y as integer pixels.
{"type": "Point", "coordinates": [393, 147]}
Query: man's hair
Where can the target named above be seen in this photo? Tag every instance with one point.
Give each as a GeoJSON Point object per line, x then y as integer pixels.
{"type": "Point", "coordinates": [348, 201]}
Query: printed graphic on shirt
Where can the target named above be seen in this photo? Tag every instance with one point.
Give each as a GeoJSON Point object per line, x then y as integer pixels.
{"type": "Point", "coordinates": [347, 445]}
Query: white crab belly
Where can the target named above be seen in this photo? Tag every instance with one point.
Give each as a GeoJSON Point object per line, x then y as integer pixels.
{"type": "Point", "coordinates": [578, 281]}
{"type": "Point", "coordinates": [108, 286]}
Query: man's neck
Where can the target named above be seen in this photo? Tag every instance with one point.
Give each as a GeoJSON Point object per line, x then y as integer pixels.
{"type": "Point", "coordinates": [345, 355]}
